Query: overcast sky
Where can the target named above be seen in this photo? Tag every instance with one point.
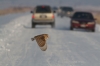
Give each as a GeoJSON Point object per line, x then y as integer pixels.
{"type": "Point", "coordinates": [9, 3]}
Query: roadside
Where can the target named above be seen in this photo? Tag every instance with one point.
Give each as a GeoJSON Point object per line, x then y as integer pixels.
{"type": "Point", "coordinates": [5, 19]}
{"type": "Point", "coordinates": [15, 10]}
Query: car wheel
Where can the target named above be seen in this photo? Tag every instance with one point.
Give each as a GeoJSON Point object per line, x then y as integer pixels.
{"type": "Point", "coordinates": [93, 30]}
{"type": "Point", "coordinates": [33, 25]}
{"type": "Point", "coordinates": [53, 25]}
{"type": "Point", "coordinates": [71, 28]}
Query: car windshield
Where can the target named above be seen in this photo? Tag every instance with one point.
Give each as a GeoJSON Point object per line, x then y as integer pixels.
{"type": "Point", "coordinates": [66, 9]}
{"type": "Point", "coordinates": [82, 16]}
{"type": "Point", "coordinates": [43, 9]}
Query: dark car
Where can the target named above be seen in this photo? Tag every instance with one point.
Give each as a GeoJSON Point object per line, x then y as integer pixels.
{"type": "Point", "coordinates": [54, 9]}
{"type": "Point", "coordinates": [65, 11]}
{"type": "Point", "coordinates": [83, 20]}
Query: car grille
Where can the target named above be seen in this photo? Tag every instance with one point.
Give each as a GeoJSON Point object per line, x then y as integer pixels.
{"type": "Point", "coordinates": [83, 22]}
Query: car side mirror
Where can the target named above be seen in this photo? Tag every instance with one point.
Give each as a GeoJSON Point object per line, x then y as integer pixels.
{"type": "Point", "coordinates": [31, 11]}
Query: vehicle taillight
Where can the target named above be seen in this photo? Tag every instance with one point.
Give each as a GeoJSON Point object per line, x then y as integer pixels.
{"type": "Point", "coordinates": [32, 16]}
{"type": "Point", "coordinates": [43, 6]}
{"type": "Point", "coordinates": [53, 16]}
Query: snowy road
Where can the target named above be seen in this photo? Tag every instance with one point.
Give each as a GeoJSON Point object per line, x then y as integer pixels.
{"type": "Point", "coordinates": [65, 47]}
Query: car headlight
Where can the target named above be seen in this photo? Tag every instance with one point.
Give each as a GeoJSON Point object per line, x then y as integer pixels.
{"type": "Point", "coordinates": [68, 12]}
{"type": "Point", "coordinates": [75, 21]}
{"type": "Point", "coordinates": [91, 23]}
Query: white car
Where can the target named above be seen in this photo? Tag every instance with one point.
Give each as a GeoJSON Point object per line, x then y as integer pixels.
{"type": "Point", "coordinates": [65, 11]}
{"type": "Point", "coordinates": [42, 15]}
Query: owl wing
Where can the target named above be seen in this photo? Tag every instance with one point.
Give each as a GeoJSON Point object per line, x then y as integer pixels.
{"type": "Point", "coordinates": [40, 41]}
{"type": "Point", "coordinates": [44, 47]}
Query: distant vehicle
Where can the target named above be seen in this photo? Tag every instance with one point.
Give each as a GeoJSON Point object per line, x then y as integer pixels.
{"type": "Point", "coordinates": [65, 11]}
{"type": "Point", "coordinates": [54, 9]}
{"type": "Point", "coordinates": [83, 20]}
{"type": "Point", "coordinates": [42, 15]}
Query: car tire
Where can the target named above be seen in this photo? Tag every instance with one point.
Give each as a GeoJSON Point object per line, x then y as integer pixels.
{"type": "Point", "coordinates": [33, 25]}
{"type": "Point", "coordinates": [53, 25]}
{"type": "Point", "coordinates": [93, 30]}
{"type": "Point", "coordinates": [71, 28]}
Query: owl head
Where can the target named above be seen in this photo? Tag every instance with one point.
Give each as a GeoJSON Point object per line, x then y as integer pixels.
{"type": "Point", "coordinates": [45, 35]}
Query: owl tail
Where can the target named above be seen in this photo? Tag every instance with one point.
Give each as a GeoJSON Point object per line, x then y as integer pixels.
{"type": "Point", "coordinates": [32, 39]}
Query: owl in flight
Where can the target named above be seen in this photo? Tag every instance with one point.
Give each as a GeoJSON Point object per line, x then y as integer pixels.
{"type": "Point", "coordinates": [41, 41]}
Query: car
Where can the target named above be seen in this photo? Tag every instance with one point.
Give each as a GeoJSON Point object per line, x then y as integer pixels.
{"type": "Point", "coordinates": [54, 9]}
{"type": "Point", "coordinates": [83, 20]}
{"type": "Point", "coordinates": [43, 15]}
{"type": "Point", "coordinates": [65, 11]}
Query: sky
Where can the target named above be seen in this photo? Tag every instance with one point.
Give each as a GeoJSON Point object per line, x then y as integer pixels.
{"type": "Point", "coordinates": [9, 3]}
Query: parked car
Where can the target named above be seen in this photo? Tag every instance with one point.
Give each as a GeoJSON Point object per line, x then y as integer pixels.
{"type": "Point", "coordinates": [43, 15]}
{"type": "Point", "coordinates": [83, 20]}
{"type": "Point", "coordinates": [65, 11]}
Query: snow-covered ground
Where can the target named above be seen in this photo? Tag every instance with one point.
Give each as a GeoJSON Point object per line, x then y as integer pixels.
{"type": "Point", "coordinates": [4, 19]}
{"type": "Point", "coordinates": [65, 47]}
